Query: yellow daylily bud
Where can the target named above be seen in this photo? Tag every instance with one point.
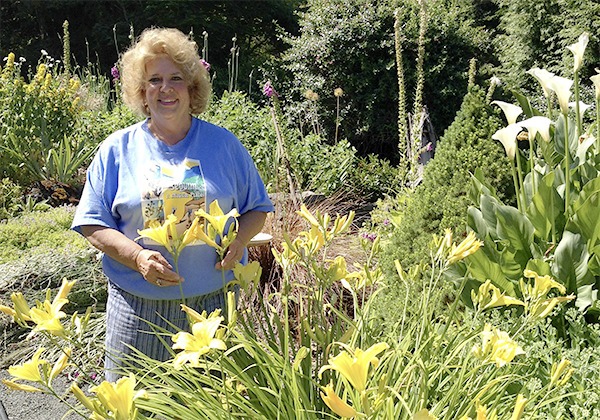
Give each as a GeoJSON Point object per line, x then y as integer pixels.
{"type": "Point", "coordinates": [81, 397]}
{"type": "Point", "coordinates": [519, 407]}
{"type": "Point", "coordinates": [60, 364]}
{"type": "Point", "coordinates": [300, 356]}
{"type": "Point", "coordinates": [561, 373]}
{"type": "Point", "coordinates": [468, 246]}
{"type": "Point", "coordinates": [8, 311]}
{"type": "Point", "coordinates": [20, 387]}
{"type": "Point", "coordinates": [22, 309]}
{"type": "Point", "coordinates": [307, 215]}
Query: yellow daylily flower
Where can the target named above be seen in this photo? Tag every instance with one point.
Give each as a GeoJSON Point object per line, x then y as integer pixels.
{"type": "Point", "coordinates": [468, 246]}
{"type": "Point", "coordinates": [543, 77]}
{"type": "Point", "coordinates": [190, 235]}
{"type": "Point", "coordinates": [537, 124]}
{"type": "Point", "coordinates": [578, 49]}
{"type": "Point", "coordinates": [596, 81]}
{"type": "Point", "coordinates": [337, 270]}
{"type": "Point", "coordinates": [60, 364]}
{"type": "Point", "coordinates": [354, 365]}
{"type": "Point", "coordinates": [47, 315]}
{"type": "Point", "coordinates": [519, 407]}
{"type": "Point", "coordinates": [562, 87]}
{"type": "Point", "coordinates": [336, 404]}
{"type": "Point", "coordinates": [544, 308]}
{"type": "Point", "coordinates": [489, 296]}
{"type": "Point", "coordinates": [511, 111]}
{"type": "Point", "coordinates": [30, 371]}
{"type": "Point", "coordinates": [286, 258]}
{"type": "Point", "coordinates": [561, 372]}
{"type": "Point", "coordinates": [20, 387]}
{"type": "Point", "coordinates": [200, 342]}
{"type": "Point", "coordinates": [160, 233]}
{"type": "Point", "coordinates": [508, 137]}
{"type": "Point", "coordinates": [216, 218]}
{"type": "Point", "coordinates": [542, 285]}
{"type": "Point", "coordinates": [119, 398]}
{"type": "Point", "coordinates": [247, 274]}
{"type": "Point", "coordinates": [496, 346]}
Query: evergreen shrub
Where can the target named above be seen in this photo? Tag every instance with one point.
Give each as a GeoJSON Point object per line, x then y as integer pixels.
{"type": "Point", "coordinates": [441, 200]}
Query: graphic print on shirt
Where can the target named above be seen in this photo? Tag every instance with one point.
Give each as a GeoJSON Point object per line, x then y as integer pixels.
{"type": "Point", "coordinates": [172, 189]}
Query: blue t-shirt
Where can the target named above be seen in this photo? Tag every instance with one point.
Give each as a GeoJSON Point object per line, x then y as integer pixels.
{"type": "Point", "coordinates": [135, 178]}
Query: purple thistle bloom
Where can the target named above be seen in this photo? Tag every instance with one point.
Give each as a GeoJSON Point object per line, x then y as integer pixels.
{"type": "Point", "coordinates": [114, 72]}
{"type": "Point", "coordinates": [205, 63]}
{"type": "Point", "coordinates": [269, 90]}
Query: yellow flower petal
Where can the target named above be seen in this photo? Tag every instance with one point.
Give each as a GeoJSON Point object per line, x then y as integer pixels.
{"type": "Point", "coordinates": [30, 370]}
{"type": "Point", "coordinates": [336, 404]}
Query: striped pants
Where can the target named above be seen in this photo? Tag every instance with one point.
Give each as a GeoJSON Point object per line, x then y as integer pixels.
{"type": "Point", "coordinates": [132, 321]}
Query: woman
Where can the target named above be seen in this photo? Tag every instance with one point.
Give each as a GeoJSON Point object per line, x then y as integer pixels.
{"type": "Point", "coordinates": [170, 163]}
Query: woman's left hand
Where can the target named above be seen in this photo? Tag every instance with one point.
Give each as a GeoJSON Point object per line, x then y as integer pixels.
{"type": "Point", "coordinates": [234, 254]}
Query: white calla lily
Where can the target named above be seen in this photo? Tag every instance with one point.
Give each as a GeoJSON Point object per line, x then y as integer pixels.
{"type": "Point", "coordinates": [578, 49]}
{"type": "Point", "coordinates": [537, 124]}
{"type": "Point", "coordinates": [508, 137]}
{"type": "Point", "coordinates": [511, 112]}
{"type": "Point", "coordinates": [543, 77]}
{"type": "Point", "coordinates": [562, 87]}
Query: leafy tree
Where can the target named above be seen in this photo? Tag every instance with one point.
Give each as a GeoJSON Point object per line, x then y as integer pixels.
{"type": "Point", "coordinates": [350, 45]}
{"type": "Point", "coordinates": [28, 26]}
{"type": "Point", "coordinates": [535, 34]}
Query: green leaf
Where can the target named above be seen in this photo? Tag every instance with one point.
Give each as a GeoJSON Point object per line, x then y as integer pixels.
{"type": "Point", "coordinates": [524, 103]}
{"type": "Point", "coordinates": [571, 262]}
{"type": "Point", "coordinates": [517, 230]}
{"type": "Point", "coordinates": [482, 268]}
{"type": "Point", "coordinates": [585, 213]}
{"type": "Point", "coordinates": [546, 207]}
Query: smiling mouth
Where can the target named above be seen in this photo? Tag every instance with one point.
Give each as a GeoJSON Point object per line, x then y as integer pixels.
{"type": "Point", "coordinates": [167, 102]}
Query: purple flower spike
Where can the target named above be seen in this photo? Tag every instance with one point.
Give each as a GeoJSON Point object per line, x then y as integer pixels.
{"type": "Point", "coordinates": [269, 90]}
{"type": "Point", "coordinates": [205, 63]}
{"type": "Point", "coordinates": [114, 72]}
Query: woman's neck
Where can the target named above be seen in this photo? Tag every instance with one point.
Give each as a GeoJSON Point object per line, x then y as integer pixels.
{"type": "Point", "coordinates": [169, 132]}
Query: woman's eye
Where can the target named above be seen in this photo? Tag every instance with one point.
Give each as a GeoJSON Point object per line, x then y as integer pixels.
{"type": "Point", "coordinates": [177, 78]}
{"type": "Point", "coordinates": [154, 80]}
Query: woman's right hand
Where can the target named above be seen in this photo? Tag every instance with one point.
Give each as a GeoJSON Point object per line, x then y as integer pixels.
{"type": "Point", "coordinates": [156, 269]}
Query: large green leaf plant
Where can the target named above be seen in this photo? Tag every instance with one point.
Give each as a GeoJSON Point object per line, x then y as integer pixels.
{"type": "Point", "coordinates": [554, 229]}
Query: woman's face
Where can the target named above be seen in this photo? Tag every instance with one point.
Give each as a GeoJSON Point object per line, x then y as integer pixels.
{"type": "Point", "coordinates": [166, 91]}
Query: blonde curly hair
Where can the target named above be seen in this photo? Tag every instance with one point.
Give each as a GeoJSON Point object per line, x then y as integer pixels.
{"type": "Point", "coordinates": [178, 47]}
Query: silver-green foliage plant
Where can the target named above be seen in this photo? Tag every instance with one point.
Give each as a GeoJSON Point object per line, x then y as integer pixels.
{"type": "Point", "coordinates": [554, 229]}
